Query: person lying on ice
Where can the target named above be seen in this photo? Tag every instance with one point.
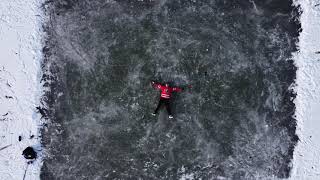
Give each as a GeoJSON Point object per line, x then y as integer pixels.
{"type": "Point", "coordinates": [165, 96]}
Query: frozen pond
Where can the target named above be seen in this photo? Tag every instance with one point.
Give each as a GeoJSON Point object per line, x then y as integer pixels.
{"type": "Point", "coordinates": [235, 122]}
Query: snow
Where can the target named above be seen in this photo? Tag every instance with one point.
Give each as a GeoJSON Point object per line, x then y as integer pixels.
{"type": "Point", "coordinates": [306, 163]}
{"type": "Point", "coordinates": [20, 88]}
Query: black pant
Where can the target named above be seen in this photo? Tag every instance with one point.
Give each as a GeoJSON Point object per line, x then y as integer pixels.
{"type": "Point", "coordinates": [166, 102]}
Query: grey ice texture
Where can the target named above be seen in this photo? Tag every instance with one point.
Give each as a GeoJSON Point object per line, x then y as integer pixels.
{"type": "Point", "coordinates": [236, 122]}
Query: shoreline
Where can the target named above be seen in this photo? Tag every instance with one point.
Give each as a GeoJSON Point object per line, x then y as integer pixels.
{"type": "Point", "coordinates": [306, 155]}
{"type": "Point", "coordinates": [20, 75]}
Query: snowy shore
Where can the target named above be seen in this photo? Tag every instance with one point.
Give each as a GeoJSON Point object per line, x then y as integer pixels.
{"type": "Point", "coordinates": [307, 153]}
{"type": "Point", "coordinates": [20, 58]}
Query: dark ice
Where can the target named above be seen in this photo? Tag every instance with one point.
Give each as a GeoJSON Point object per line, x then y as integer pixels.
{"type": "Point", "coordinates": [236, 122]}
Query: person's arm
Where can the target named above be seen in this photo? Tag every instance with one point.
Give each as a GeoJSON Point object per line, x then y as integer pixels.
{"type": "Point", "coordinates": [156, 85]}
{"type": "Point", "coordinates": [176, 89]}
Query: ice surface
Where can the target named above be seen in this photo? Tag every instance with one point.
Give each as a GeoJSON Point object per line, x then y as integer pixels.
{"type": "Point", "coordinates": [236, 122]}
{"type": "Point", "coordinates": [20, 90]}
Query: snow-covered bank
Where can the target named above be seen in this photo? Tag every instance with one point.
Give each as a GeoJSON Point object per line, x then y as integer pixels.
{"type": "Point", "coordinates": [306, 163]}
{"type": "Point", "coordinates": [20, 90]}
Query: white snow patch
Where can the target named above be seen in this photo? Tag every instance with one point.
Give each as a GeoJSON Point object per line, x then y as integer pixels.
{"type": "Point", "coordinates": [20, 88]}
{"type": "Point", "coordinates": [306, 161]}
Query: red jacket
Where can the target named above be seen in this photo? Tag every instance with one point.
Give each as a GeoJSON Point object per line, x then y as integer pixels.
{"type": "Point", "coordinates": [166, 91]}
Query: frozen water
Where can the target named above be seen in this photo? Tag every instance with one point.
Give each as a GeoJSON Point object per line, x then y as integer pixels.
{"type": "Point", "coordinates": [236, 122]}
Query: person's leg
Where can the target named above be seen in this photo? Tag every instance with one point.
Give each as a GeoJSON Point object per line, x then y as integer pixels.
{"type": "Point", "coordinates": [159, 105]}
{"type": "Point", "coordinates": [167, 103]}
